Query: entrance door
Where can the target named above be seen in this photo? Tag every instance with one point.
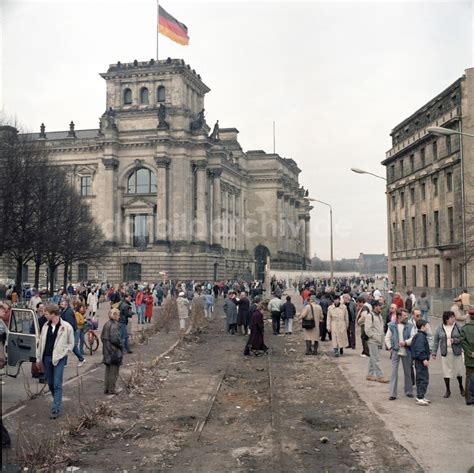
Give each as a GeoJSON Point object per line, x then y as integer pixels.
{"type": "Point", "coordinates": [261, 254]}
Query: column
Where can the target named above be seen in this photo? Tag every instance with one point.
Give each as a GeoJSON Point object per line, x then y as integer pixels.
{"type": "Point", "coordinates": [233, 228]}
{"type": "Point", "coordinates": [201, 211]}
{"type": "Point", "coordinates": [108, 211]}
{"type": "Point", "coordinates": [162, 164]}
{"type": "Point", "coordinates": [286, 220]}
{"type": "Point", "coordinates": [216, 207]}
{"type": "Point", "coordinates": [302, 238]}
{"type": "Point", "coordinates": [279, 219]}
{"type": "Point", "coordinates": [307, 237]}
{"type": "Point", "coordinates": [291, 224]}
{"type": "Point", "coordinates": [238, 220]}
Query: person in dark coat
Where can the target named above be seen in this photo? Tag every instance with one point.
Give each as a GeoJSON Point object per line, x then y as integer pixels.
{"type": "Point", "coordinates": [243, 316]}
{"type": "Point", "coordinates": [255, 341]}
{"type": "Point", "coordinates": [230, 309]}
{"type": "Point", "coordinates": [112, 351]}
{"type": "Point", "coordinates": [288, 312]}
{"type": "Point", "coordinates": [324, 303]}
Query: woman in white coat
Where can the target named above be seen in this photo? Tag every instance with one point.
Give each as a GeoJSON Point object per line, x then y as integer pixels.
{"type": "Point", "coordinates": [338, 323]}
{"type": "Point", "coordinates": [92, 302]}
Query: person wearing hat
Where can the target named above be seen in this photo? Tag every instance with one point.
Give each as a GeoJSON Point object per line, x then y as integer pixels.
{"type": "Point", "coordinates": [456, 308]}
{"type": "Point", "coordinates": [337, 324]}
{"type": "Point", "coordinates": [183, 310]}
{"type": "Point", "coordinates": [467, 343]}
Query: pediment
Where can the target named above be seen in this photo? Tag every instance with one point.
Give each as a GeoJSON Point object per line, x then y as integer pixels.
{"type": "Point", "coordinates": [138, 204]}
{"type": "Point", "coordinates": [85, 170]}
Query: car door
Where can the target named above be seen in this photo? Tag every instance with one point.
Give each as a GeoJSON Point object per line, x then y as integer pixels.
{"type": "Point", "coordinates": [22, 339]}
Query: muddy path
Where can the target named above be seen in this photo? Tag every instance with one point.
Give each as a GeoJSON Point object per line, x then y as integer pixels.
{"type": "Point", "coordinates": [207, 408]}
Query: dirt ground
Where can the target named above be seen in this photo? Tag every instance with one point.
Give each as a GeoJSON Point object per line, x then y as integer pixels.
{"type": "Point", "coordinates": [207, 408]}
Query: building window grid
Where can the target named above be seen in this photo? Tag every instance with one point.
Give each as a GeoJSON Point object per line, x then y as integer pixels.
{"type": "Point", "coordinates": [412, 195]}
{"type": "Point", "coordinates": [86, 185]}
{"type": "Point", "coordinates": [412, 163]}
{"type": "Point", "coordinates": [127, 96]}
{"type": "Point", "coordinates": [437, 275]}
{"type": "Point", "coordinates": [413, 277]}
{"type": "Point", "coordinates": [402, 199]}
{"type": "Point", "coordinates": [142, 181]}
{"type": "Point", "coordinates": [404, 275]}
{"type": "Point", "coordinates": [435, 186]}
{"type": "Point", "coordinates": [423, 157]}
{"type": "Point", "coordinates": [448, 145]}
{"type": "Point", "coordinates": [449, 181]}
{"type": "Point", "coordinates": [451, 224]}
{"type": "Point", "coordinates": [424, 230]}
{"type": "Point", "coordinates": [413, 231]}
{"type": "Point", "coordinates": [404, 234]}
{"type": "Point", "coordinates": [425, 275]}
{"type": "Point", "coordinates": [436, 227]}
{"type": "Point", "coordinates": [435, 150]}
{"type": "Point", "coordinates": [423, 191]}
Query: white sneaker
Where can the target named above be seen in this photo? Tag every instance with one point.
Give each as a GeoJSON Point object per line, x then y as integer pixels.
{"type": "Point", "coordinates": [422, 402]}
{"type": "Point", "coordinates": [81, 363]}
{"type": "Point", "coordinates": [427, 400]}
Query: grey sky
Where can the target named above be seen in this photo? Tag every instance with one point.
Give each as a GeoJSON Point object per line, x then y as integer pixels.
{"type": "Point", "coordinates": [336, 78]}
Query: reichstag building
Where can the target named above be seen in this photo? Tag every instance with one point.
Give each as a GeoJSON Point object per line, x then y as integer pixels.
{"type": "Point", "coordinates": [176, 195]}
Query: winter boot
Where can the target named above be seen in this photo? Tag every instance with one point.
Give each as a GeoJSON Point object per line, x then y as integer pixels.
{"type": "Point", "coordinates": [308, 347]}
{"type": "Point", "coordinates": [315, 348]}
{"type": "Point", "coordinates": [448, 391]}
{"type": "Point", "coordinates": [336, 352]}
{"type": "Point", "coordinates": [461, 388]}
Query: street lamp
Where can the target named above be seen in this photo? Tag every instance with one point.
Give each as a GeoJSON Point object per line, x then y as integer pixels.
{"type": "Point", "coordinates": [330, 224]}
{"type": "Point", "coordinates": [442, 131]}
{"type": "Point", "coordinates": [361, 171]}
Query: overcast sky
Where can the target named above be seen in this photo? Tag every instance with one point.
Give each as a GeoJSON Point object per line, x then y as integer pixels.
{"type": "Point", "coordinates": [336, 78]}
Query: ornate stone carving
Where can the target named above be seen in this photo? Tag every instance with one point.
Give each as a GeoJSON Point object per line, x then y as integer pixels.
{"type": "Point", "coordinates": [215, 132]}
{"type": "Point", "coordinates": [200, 164]}
{"type": "Point", "coordinates": [199, 122]}
{"type": "Point", "coordinates": [162, 123]}
{"type": "Point", "coordinates": [216, 172]}
{"type": "Point", "coordinates": [110, 163]}
{"type": "Point", "coordinates": [71, 133]}
{"type": "Point", "coordinates": [162, 161]}
{"type": "Point", "coordinates": [42, 134]}
{"type": "Point", "coordinates": [280, 194]}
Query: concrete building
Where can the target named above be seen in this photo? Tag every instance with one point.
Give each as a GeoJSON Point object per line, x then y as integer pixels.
{"type": "Point", "coordinates": [172, 196]}
{"type": "Point", "coordinates": [430, 196]}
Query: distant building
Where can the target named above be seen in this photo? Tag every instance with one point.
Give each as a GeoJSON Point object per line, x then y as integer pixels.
{"type": "Point", "coordinates": [430, 194]}
{"type": "Point", "coordinates": [170, 194]}
{"type": "Point", "coordinates": [373, 264]}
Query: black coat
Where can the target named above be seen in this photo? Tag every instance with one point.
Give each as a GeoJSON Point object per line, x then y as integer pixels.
{"type": "Point", "coordinates": [111, 343]}
{"type": "Point", "coordinates": [288, 310]}
{"type": "Point", "coordinates": [243, 317]}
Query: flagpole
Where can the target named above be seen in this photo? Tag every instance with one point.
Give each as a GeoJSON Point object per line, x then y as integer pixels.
{"type": "Point", "coordinates": [157, 27]}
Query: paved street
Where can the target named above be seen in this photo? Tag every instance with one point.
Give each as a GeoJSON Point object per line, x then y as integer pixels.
{"type": "Point", "coordinates": [206, 408]}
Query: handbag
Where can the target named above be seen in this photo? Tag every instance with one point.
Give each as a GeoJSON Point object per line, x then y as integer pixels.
{"type": "Point", "coordinates": [308, 323]}
{"type": "Point", "coordinates": [37, 369]}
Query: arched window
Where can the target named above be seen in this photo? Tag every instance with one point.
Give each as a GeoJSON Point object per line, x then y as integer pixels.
{"type": "Point", "coordinates": [160, 94]}
{"type": "Point", "coordinates": [142, 181]}
{"type": "Point", "coordinates": [143, 95]}
{"type": "Point", "coordinates": [82, 272]}
{"type": "Point", "coordinates": [127, 96]}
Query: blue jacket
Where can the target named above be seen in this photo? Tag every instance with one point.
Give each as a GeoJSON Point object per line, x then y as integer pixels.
{"type": "Point", "coordinates": [408, 332]}
{"type": "Point", "coordinates": [420, 349]}
{"type": "Point", "coordinates": [68, 315]}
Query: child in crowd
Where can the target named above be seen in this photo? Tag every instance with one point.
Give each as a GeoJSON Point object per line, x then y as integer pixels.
{"type": "Point", "coordinates": [420, 352]}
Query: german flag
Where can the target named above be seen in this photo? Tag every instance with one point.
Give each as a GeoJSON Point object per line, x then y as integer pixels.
{"type": "Point", "coordinates": [171, 27]}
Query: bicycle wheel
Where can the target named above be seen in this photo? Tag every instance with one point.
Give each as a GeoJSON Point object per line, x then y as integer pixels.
{"type": "Point", "coordinates": [94, 342]}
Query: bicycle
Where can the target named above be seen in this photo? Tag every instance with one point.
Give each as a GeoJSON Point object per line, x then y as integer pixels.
{"type": "Point", "coordinates": [91, 340]}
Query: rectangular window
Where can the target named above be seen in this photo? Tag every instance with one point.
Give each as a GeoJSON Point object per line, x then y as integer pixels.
{"type": "Point", "coordinates": [413, 277]}
{"type": "Point", "coordinates": [425, 275]}
{"type": "Point", "coordinates": [437, 275]}
{"type": "Point", "coordinates": [404, 275]}
{"type": "Point", "coordinates": [449, 181]}
{"type": "Point", "coordinates": [402, 199]}
{"type": "Point", "coordinates": [413, 231]}
{"type": "Point", "coordinates": [423, 157]}
{"type": "Point", "coordinates": [423, 191]}
{"type": "Point", "coordinates": [436, 227]}
{"type": "Point", "coordinates": [451, 224]}
{"type": "Point", "coordinates": [401, 168]}
{"type": "Point", "coordinates": [435, 150]}
{"type": "Point", "coordinates": [140, 230]}
{"type": "Point", "coordinates": [392, 172]}
{"type": "Point", "coordinates": [86, 185]}
{"type": "Point", "coordinates": [394, 236]}
{"type": "Point", "coordinates": [424, 230]}
{"type": "Point", "coordinates": [394, 202]}
{"type": "Point", "coordinates": [404, 234]}
{"type": "Point", "coordinates": [394, 275]}
{"type": "Point", "coordinates": [412, 163]}
{"type": "Point", "coordinates": [448, 145]}
{"type": "Point", "coordinates": [82, 270]}
{"type": "Point", "coordinates": [412, 195]}
{"type": "Point", "coordinates": [435, 186]}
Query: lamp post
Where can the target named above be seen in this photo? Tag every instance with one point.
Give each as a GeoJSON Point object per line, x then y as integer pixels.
{"type": "Point", "coordinates": [361, 171]}
{"type": "Point", "coordinates": [331, 239]}
{"type": "Point", "coordinates": [442, 131]}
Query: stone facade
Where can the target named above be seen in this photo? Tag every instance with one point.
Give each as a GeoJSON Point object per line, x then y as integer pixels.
{"type": "Point", "coordinates": [172, 197]}
{"type": "Point", "coordinates": [430, 199]}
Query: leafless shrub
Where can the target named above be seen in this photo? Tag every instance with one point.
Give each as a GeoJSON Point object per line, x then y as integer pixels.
{"type": "Point", "coordinates": [167, 315]}
{"type": "Point", "coordinates": [198, 319]}
{"type": "Point", "coordinates": [136, 378]}
{"type": "Point", "coordinates": [41, 453]}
